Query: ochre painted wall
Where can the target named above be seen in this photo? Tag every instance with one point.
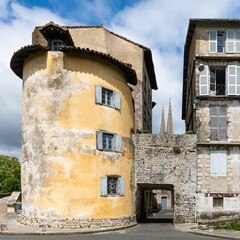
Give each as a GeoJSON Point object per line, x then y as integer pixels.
{"type": "Point", "coordinates": [61, 167]}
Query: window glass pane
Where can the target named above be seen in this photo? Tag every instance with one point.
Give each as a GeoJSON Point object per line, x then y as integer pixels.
{"type": "Point", "coordinates": [107, 96]}
{"type": "Point", "coordinates": [212, 46]}
{"type": "Point", "coordinates": [107, 141]}
{"type": "Point", "coordinates": [204, 90]}
{"type": "Point", "coordinates": [203, 80]}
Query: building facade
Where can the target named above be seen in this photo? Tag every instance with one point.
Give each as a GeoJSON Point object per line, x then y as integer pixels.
{"type": "Point", "coordinates": [211, 109]}
{"type": "Point", "coordinates": [77, 122]}
{"type": "Point", "coordinates": [102, 40]}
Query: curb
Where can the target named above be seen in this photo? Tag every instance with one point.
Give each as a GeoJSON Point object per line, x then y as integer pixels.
{"type": "Point", "coordinates": [207, 234]}
{"type": "Point", "coordinates": [69, 232]}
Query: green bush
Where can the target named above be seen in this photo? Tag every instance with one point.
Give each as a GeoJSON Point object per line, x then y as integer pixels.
{"type": "Point", "coordinates": [176, 150]}
{"type": "Point", "coordinates": [10, 172]}
{"type": "Point", "coordinates": [11, 184]}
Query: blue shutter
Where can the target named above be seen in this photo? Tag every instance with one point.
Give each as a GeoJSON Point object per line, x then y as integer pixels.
{"type": "Point", "coordinates": [117, 143]}
{"type": "Point", "coordinates": [103, 186]}
{"type": "Point", "coordinates": [99, 140]}
{"type": "Point", "coordinates": [121, 188]}
{"type": "Point", "coordinates": [116, 100]}
{"type": "Point", "coordinates": [214, 164]}
{"type": "Point", "coordinates": [98, 94]}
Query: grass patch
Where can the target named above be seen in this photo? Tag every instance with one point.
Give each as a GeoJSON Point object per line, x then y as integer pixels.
{"type": "Point", "coordinates": [230, 226]}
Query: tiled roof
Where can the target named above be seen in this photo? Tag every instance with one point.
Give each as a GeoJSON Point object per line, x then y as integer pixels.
{"type": "Point", "coordinates": [18, 58]}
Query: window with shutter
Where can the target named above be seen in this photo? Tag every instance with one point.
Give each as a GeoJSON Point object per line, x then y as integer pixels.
{"type": "Point", "coordinates": [107, 97]}
{"type": "Point", "coordinates": [112, 186]}
{"type": "Point", "coordinates": [109, 142]}
{"type": "Point", "coordinates": [218, 163]}
{"type": "Point", "coordinates": [218, 123]}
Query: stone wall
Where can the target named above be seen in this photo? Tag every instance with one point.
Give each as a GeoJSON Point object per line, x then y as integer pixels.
{"type": "Point", "coordinates": [168, 160]}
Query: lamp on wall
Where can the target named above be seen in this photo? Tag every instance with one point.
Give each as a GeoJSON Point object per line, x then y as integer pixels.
{"type": "Point", "coordinates": [201, 67]}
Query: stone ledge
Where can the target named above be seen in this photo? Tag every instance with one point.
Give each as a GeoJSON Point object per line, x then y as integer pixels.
{"type": "Point", "coordinates": [78, 223]}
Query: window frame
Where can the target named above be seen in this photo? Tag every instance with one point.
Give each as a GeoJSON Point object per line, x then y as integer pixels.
{"type": "Point", "coordinates": [56, 48]}
{"type": "Point", "coordinates": [104, 186]}
{"type": "Point", "coordinates": [103, 95]}
{"type": "Point", "coordinates": [218, 202]}
{"type": "Point", "coordinates": [116, 142]}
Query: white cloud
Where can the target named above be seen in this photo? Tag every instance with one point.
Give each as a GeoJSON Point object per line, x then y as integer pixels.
{"type": "Point", "coordinates": [158, 24]}
{"type": "Point", "coordinates": [15, 31]}
{"type": "Point", "coordinates": [162, 26]}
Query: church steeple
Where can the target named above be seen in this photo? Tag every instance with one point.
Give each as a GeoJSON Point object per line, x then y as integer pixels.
{"type": "Point", "coordinates": [162, 128]}
{"type": "Point", "coordinates": [170, 120]}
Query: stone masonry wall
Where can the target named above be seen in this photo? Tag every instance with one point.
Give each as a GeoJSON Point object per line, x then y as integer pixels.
{"type": "Point", "coordinates": [159, 161]}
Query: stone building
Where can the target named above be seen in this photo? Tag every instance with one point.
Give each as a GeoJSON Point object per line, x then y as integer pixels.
{"type": "Point", "coordinates": [211, 109]}
{"type": "Point", "coordinates": [102, 40]}
{"type": "Point", "coordinates": [77, 122]}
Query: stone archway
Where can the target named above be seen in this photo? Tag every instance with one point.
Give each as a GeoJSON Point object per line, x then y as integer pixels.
{"type": "Point", "coordinates": [148, 202]}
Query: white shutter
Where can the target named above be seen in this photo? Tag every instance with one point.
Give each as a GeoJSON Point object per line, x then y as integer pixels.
{"type": "Point", "coordinates": [214, 164]}
{"type": "Point", "coordinates": [213, 41]}
{"type": "Point", "coordinates": [238, 81]}
{"type": "Point", "coordinates": [116, 100]}
{"type": "Point", "coordinates": [103, 186]}
{"type": "Point", "coordinates": [232, 79]}
{"type": "Point", "coordinates": [121, 188]}
{"type": "Point", "coordinates": [203, 81]}
{"type": "Point", "coordinates": [237, 41]}
{"type": "Point", "coordinates": [98, 94]}
{"type": "Point", "coordinates": [117, 143]}
{"type": "Point", "coordinates": [222, 164]}
{"type": "Point", "coordinates": [99, 140]}
{"type": "Point", "coordinates": [219, 163]}
{"type": "Point", "coordinates": [230, 41]}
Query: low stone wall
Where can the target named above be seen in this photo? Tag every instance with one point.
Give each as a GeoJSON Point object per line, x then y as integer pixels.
{"type": "Point", "coordinates": [168, 160]}
{"type": "Point", "coordinates": [78, 223]}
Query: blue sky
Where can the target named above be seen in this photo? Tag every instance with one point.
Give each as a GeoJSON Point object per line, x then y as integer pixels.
{"type": "Point", "coordinates": [158, 24]}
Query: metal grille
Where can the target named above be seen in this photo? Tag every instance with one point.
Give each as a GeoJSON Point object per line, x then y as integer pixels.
{"type": "Point", "coordinates": [112, 185]}
{"type": "Point", "coordinates": [217, 202]}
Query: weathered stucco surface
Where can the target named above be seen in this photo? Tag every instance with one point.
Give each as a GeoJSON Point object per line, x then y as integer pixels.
{"type": "Point", "coordinates": [61, 167]}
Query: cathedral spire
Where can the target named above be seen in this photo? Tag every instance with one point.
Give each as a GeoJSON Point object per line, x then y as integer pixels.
{"type": "Point", "coordinates": [162, 128]}
{"type": "Point", "coordinates": [170, 120]}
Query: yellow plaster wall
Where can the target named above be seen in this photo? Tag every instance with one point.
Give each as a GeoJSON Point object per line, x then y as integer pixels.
{"type": "Point", "coordinates": [61, 166]}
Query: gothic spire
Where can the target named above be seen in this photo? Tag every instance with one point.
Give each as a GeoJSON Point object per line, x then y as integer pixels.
{"type": "Point", "coordinates": [162, 128]}
{"type": "Point", "coordinates": [170, 120]}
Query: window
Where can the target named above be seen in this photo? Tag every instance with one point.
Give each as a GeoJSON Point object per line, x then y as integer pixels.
{"type": "Point", "coordinates": [107, 97]}
{"type": "Point", "coordinates": [109, 142]}
{"type": "Point", "coordinates": [56, 44]}
{"type": "Point", "coordinates": [112, 186]}
{"type": "Point", "coordinates": [217, 81]}
{"type": "Point", "coordinates": [216, 41]}
{"type": "Point", "coordinates": [217, 202]}
{"type": "Point", "coordinates": [218, 123]}
{"type": "Point", "coordinates": [212, 81]}
{"type": "Point", "coordinates": [218, 163]}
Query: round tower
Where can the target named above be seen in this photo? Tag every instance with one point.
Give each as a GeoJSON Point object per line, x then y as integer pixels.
{"type": "Point", "coordinates": [77, 120]}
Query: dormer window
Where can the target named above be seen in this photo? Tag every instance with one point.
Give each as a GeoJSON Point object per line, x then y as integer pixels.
{"type": "Point", "coordinates": [56, 44]}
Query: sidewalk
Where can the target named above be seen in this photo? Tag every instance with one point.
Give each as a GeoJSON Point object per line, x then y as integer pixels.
{"type": "Point", "coordinates": [10, 226]}
{"type": "Point", "coordinates": [193, 228]}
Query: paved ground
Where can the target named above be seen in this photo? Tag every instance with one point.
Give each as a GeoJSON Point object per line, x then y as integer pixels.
{"type": "Point", "coordinates": [153, 230]}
